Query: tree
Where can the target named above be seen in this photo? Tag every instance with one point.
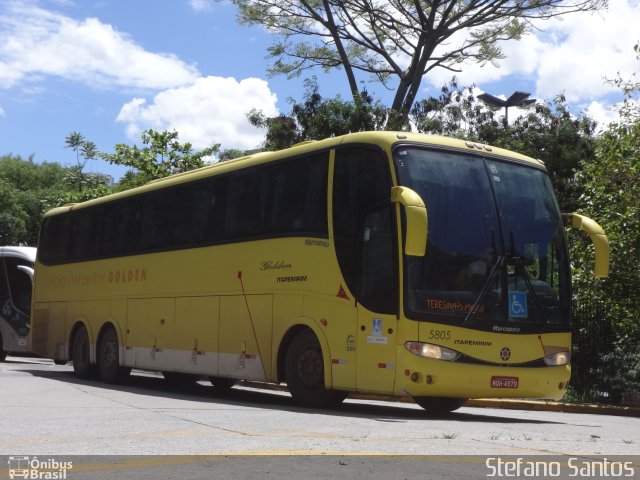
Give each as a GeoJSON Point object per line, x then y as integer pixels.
{"type": "Point", "coordinates": [316, 118]}
{"type": "Point", "coordinates": [281, 131]}
{"type": "Point", "coordinates": [231, 153]}
{"type": "Point", "coordinates": [85, 151]}
{"type": "Point", "coordinates": [27, 190]}
{"type": "Point", "coordinates": [398, 42]}
{"type": "Point", "coordinates": [13, 216]}
{"type": "Point", "coordinates": [162, 155]}
{"type": "Point", "coordinates": [455, 112]}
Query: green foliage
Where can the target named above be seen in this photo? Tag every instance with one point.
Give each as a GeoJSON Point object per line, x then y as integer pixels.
{"type": "Point", "coordinates": [27, 190]}
{"type": "Point", "coordinates": [96, 191]}
{"type": "Point", "coordinates": [281, 131]}
{"type": "Point", "coordinates": [13, 217]}
{"type": "Point", "coordinates": [230, 154]}
{"type": "Point", "coordinates": [316, 118]}
{"type": "Point", "coordinates": [85, 151]}
{"type": "Point", "coordinates": [161, 156]}
{"type": "Point", "coordinates": [319, 118]}
{"type": "Point", "coordinates": [456, 112]}
{"type": "Point", "coordinates": [610, 186]}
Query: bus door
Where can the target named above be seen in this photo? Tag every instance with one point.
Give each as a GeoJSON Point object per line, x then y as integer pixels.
{"type": "Point", "coordinates": [364, 240]}
{"type": "Point", "coordinates": [377, 321]}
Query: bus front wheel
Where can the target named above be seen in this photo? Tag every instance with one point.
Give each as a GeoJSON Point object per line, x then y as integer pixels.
{"type": "Point", "coordinates": [304, 373]}
{"type": "Point", "coordinates": [439, 405]}
{"type": "Point", "coordinates": [108, 358]}
{"type": "Point", "coordinates": [80, 357]}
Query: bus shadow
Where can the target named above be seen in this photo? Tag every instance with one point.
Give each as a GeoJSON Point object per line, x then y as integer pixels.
{"type": "Point", "coordinates": [154, 385]}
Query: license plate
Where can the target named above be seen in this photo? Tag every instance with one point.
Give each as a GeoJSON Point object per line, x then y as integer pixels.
{"type": "Point", "coordinates": [504, 382]}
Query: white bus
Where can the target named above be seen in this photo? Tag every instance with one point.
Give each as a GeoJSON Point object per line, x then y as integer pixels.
{"type": "Point", "coordinates": [16, 280]}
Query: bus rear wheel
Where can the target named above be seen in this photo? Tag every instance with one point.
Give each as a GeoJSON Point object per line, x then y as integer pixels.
{"type": "Point", "coordinates": [439, 405]}
{"type": "Point", "coordinates": [109, 358]}
{"type": "Point", "coordinates": [304, 373]}
{"type": "Point", "coordinates": [80, 355]}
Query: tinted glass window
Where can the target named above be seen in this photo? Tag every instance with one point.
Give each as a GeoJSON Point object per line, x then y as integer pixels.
{"type": "Point", "coordinates": [495, 250]}
{"type": "Point", "coordinates": [297, 196]}
{"type": "Point", "coordinates": [120, 227]}
{"type": "Point", "coordinates": [362, 226]}
{"type": "Point", "coordinates": [245, 205]}
{"type": "Point", "coordinates": [285, 198]}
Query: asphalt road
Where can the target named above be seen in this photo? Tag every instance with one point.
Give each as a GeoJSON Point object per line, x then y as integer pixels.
{"type": "Point", "coordinates": [46, 411]}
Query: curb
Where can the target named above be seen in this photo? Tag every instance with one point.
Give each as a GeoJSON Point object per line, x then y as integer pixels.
{"type": "Point", "coordinates": [506, 404]}
{"type": "Point", "coordinates": [541, 405]}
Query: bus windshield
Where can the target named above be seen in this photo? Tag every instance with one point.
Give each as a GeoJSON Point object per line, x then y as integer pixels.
{"type": "Point", "coordinates": [496, 256]}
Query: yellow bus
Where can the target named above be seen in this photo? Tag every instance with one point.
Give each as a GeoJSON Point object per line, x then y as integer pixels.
{"type": "Point", "coordinates": [381, 262]}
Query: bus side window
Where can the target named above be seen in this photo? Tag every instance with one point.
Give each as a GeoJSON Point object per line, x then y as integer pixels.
{"type": "Point", "coordinates": [297, 196]}
{"type": "Point", "coordinates": [245, 204]}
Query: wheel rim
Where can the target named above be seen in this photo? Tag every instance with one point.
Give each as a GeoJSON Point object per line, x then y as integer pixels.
{"type": "Point", "coordinates": [310, 369]}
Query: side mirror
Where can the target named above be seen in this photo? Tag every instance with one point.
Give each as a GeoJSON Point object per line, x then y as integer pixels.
{"type": "Point", "coordinates": [598, 237]}
{"type": "Point", "coordinates": [416, 212]}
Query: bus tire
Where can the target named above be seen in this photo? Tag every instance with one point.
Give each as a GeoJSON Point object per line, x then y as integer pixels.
{"type": "Point", "coordinates": [80, 354]}
{"type": "Point", "coordinates": [109, 358]}
{"type": "Point", "coordinates": [222, 383]}
{"type": "Point", "coordinates": [440, 405]}
{"type": "Point", "coordinates": [304, 373]}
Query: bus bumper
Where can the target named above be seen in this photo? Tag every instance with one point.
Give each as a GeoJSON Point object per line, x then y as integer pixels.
{"type": "Point", "coordinates": [421, 377]}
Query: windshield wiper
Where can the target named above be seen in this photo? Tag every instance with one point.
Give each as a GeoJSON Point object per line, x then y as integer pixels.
{"type": "Point", "coordinates": [497, 267]}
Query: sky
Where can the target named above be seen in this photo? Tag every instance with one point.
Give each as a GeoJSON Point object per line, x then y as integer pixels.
{"type": "Point", "coordinates": [110, 69]}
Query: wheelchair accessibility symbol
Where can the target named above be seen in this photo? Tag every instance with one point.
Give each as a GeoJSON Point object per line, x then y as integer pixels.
{"type": "Point", "coordinates": [518, 304]}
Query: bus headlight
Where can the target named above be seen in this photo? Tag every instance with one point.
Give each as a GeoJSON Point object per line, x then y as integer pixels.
{"type": "Point", "coordinates": [557, 359]}
{"type": "Point", "coordinates": [429, 350]}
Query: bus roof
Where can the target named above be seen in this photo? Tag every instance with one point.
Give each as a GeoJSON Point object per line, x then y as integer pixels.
{"type": "Point", "coordinates": [385, 139]}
